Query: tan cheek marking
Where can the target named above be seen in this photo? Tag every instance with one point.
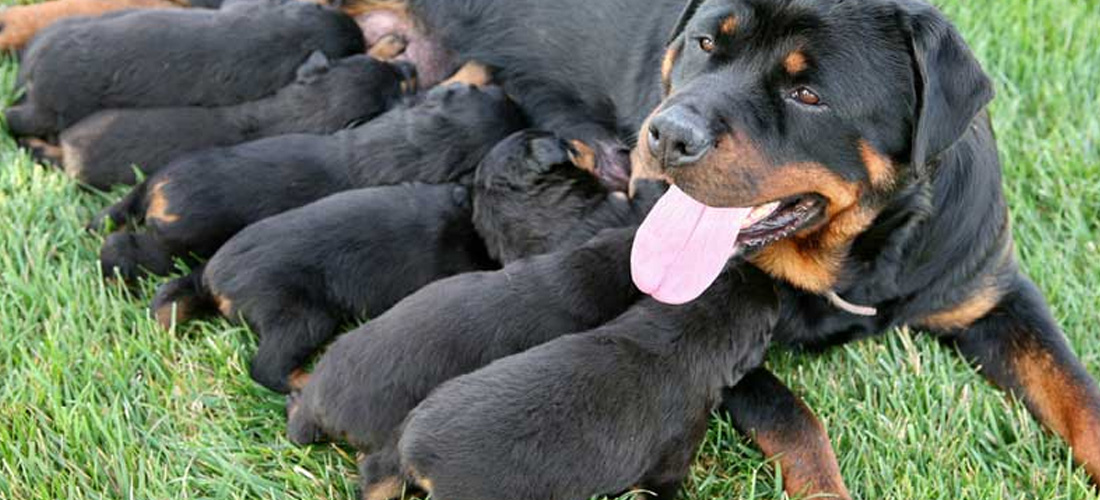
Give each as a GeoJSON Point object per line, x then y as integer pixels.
{"type": "Point", "coordinates": [667, 63]}
{"type": "Point", "coordinates": [471, 73]}
{"type": "Point", "coordinates": [966, 313]}
{"type": "Point", "coordinates": [383, 490]}
{"type": "Point", "coordinates": [298, 379]}
{"type": "Point", "coordinates": [158, 205]}
{"type": "Point", "coordinates": [795, 62]}
{"type": "Point", "coordinates": [728, 26]}
{"type": "Point", "coordinates": [880, 170]}
{"type": "Point", "coordinates": [1062, 405]}
{"type": "Point", "coordinates": [642, 165]}
{"type": "Point", "coordinates": [225, 306]}
{"type": "Point", "coordinates": [583, 156]}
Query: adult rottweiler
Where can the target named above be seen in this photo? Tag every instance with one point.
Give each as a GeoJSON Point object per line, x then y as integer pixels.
{"type": "Point", "coordinates": [369, 379]}
{"type": "Point", "coordinates": [859, 129]}
{"type": "Point", "coordinates": [82, 65]}
{"type": "Point", "coordinates": [104, 149]}
{"type": "Point", "coordinates": [193, 206]}
{"type": "Point", "coordinates": [622, 406]}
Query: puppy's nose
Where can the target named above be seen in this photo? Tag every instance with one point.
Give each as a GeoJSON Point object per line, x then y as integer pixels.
{"type": "Point", "coordinates": [678, 136]}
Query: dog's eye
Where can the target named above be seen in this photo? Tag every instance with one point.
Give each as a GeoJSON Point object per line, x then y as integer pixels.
{"type": "Point", "coordinates": [805, 96]}
{"type": "Point", "coordinates": [706, 43]}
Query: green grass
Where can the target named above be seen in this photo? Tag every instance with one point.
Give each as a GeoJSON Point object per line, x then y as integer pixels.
{"type": "Point", "coordinates": [97, 402]}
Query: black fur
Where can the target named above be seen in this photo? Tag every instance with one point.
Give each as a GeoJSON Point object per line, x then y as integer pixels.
{"type": "Point", "coordinates": [213, 194]}
{"type": "Point", "coordinates": [153, 58]}
{"type": "Point", "coordinates": [103, 149]}
{"type": "Point", "coordinates": [296, 277]}
{"type": "Point", "coordinates": [584, 70]}
{"type": "Point", "coordinates": [530, 198]}
{"type": "Point", "coordinates": [369, 379]}
{"type": "Point", "coordinates": [622, 406]}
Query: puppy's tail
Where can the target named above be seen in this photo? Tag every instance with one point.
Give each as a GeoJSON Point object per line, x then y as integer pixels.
{"type": "Point", "coordinates": [182, 300]}
{"type": "Point", "coordinates": [130, 208]}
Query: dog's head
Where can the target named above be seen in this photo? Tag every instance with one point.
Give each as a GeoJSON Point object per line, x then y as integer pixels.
{"type": "Point", "coordinates": [533, 191]}
{"type": "Point", "coordinates": [358, 87]}
{"type": "Point", "coordinates": [815, 112]}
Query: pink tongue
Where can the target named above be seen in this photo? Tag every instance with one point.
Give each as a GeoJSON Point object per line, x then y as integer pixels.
{"type": "Point", "coordinates": [682, 247]}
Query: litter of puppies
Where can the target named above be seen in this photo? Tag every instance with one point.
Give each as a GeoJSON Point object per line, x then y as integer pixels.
{"type": "Point", "coordinates": [440, 211]}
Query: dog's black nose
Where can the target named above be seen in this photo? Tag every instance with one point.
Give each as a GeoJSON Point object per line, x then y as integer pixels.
{"type": "Point", "coordinates": [679, 137]}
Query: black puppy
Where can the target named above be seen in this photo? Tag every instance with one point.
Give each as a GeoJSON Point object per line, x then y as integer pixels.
{"type": "Point", "coordinates": [297, 276]}
{"type": "Point", "coordinates": [101, 150]}
{"type": "Point", "coordinates": [369, 379]}
{"type": "Point", "coordinates": [201, 200]}
{"type": "Point", "coordinates": [536, 192]}
{"type": "Point", "coordinates": [153, 58]}
{"type": "Point", "coordinates": [621, 406]}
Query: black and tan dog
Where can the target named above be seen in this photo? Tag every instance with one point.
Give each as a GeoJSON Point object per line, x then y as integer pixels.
{"type": "Point", "coordinates": [103, 149]}
{"type": "Point", "coordinates": [368, 380]}
{"type": "Point", "coordinates": [622, 406]}
{"type": "Point", "coordinates": [295, 278]}
{"type": "Point", "coordinates": [860, 125]}
{"type": "Point", "coordinates": [193, 206]}
{"type": "Point", "coordinates": [152, 58]}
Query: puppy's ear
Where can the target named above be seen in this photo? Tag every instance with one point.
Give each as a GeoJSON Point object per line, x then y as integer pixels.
{"type": "Point", "coordinates": [317, 64]}
{"type": "Point", "coordinates": [685, 16]}
{"type": "Point", "coordinates": [951, 87]}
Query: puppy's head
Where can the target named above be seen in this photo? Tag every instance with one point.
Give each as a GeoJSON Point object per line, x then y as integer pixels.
{"type": "Point", "coordinates": [531, 191]}
{"type": "Point", "coordinates": [358, 86]}
{"type": "Point", "coordinates": [814, 112]}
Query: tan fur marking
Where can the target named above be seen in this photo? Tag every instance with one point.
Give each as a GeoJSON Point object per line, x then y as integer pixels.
{"type": "Point", "coordinates": [808, 460]}
{"type": "Point", "coordinates": [583, 156]}
{"type": "Point", "coordinates": [225, 306]}
{"type": "Point", "coordinates": [158, 205]}
{"type": "Point", "coordinates": [172, 313]}
{"type": "Point", "coordinates": [298, 379]}
{"type": "Point", "coordinates": [728, 26]}
{"type": "Point", "coordinates": [880, 170]}
{"type": "Point", "coordinates": [387, 489]}
{"type": "Point", "coordinates": [795, 62]}
{"type": "Point", "coordinates": [1062, 405]}
{"type": "Point", "coordinates": [965, 313]}
{"type": "Point", "coordinates": [44, 149]}
{"type": "Point", "coordinates": [667, 63]}
{"type": "Point", "coordinates": [388, 47]}
{"type": "Point", "coordinates": [355, 8]}
{"type": "Point", "coordinates": [22, 22]}
{"type": "Point", "coordinates": [471, 73]}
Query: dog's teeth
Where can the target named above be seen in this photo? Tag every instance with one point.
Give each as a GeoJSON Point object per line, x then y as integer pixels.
{"type": "Point", "coordinates": [760, 213]}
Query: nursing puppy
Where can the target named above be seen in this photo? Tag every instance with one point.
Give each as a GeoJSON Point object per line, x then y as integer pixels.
{"type": "Point", "coordinates": [619, 407]}
{"type": "Point", "coordinates": [19, 23]}
{"type": "Point", "coordinates": [153, 58]}
{"type": "Point", "coordinates": [368, 380]}
{"type": "Point", "coordinates": [191, 207]}
{"type": "Point", "coordinates": [536, 193]}
{"type": "Point", "coordinates": [295, 278]}
{"type": "Point", "coordinates": [103, 149]}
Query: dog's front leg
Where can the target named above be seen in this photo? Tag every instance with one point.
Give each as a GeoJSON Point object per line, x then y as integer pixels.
{"type": "Point", "coordinates": [1019, 347]}
{"type": "Point", "coordinates": [763, 408]}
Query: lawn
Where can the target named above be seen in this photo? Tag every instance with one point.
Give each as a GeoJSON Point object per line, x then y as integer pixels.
{"type": "Point", "coordinates": [97, 402]}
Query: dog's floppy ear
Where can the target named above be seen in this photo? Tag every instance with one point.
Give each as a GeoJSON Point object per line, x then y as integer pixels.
{"type": "Point", "coordinates": [317, 64]}
{"type": "Point", "coordinates": [950, 84]}
{"type": "Point", "coordinates": [685, 16]}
